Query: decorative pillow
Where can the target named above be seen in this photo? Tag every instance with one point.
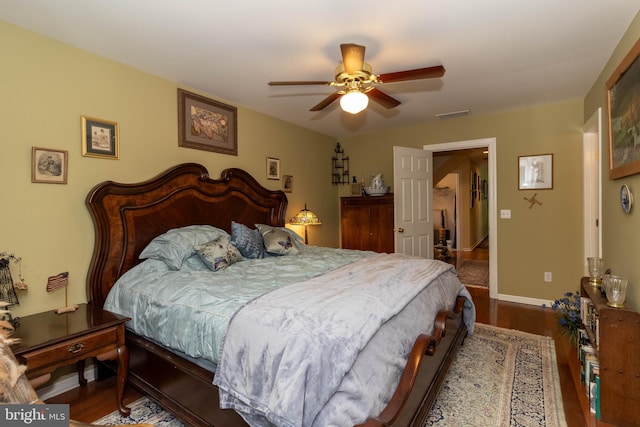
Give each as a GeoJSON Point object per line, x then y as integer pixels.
{"type": "Point", "coordinates": [218, 254]}
{"type": "Point", "coordinates": [177, 244]}
{"type": "Point", "coordinates": [277, 240]}
{"type": "Point", "coordinates": [248, 241]}
{"type": "Point", "coordinates": [295, 236]}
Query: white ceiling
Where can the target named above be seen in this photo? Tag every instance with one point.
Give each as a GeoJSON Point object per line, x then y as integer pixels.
{"type": "Point", "coordinates": [499, 54]}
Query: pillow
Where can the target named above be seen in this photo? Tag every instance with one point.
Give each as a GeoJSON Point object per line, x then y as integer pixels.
{"type": "Point", "coordinates": [277, 240]}
{"type": "Point", "coordinates": [176, 245]}
{"type": "Point", "coordinates": [295, 236]}
{"type": "Point", "coordinates": [218, 254]}
{"type": "Point", "coordinates": [248, 241]}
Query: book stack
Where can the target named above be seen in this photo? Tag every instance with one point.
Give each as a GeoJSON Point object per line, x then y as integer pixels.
{"type": "Point", "coordinates": [590, 372]}
{"type": "Point", "coordinates": [590, 319]}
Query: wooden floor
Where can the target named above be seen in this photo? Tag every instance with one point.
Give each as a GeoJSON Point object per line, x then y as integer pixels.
{"type": "Point", "coordinates": [98, 399]}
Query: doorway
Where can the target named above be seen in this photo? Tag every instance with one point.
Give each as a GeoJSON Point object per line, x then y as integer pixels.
{"type": "Point", "coordinates": [490, 144]}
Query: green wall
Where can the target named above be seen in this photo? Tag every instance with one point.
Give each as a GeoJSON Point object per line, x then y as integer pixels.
{"type": "Point", "coordinates": [545, 238]}
{"type": "Point", "coordinates": [47, 86]}
{"type": "Point", "coordinates": [621, 232]}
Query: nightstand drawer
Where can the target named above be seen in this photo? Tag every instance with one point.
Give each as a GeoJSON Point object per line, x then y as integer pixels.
{"type": "Point", "coordinates": [74, 349]}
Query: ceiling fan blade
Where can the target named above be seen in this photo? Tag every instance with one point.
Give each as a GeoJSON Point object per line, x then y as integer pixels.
{"type": "Point", "coordinates": [326, 102]}
{"type": "Point", "coordinates": [382, 98]}
{"type": "Point", "coordinates": [417, 74]}
{"type": "Point", "coordinates": [352, 57]}
{"type": "Point", "coordinates": [310, 82]}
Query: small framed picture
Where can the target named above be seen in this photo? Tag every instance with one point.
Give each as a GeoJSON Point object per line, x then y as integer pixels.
{"type": "Point", "coordinates": [100, 138]}
{"type": "Point", "coordinates": [49, 165]}
{"type": "Point", "coordinates": [535, 172]}
{"type": "Point", "coordinates": [273, 168]}
{"type": "Point", "coordinates": [287, 183]}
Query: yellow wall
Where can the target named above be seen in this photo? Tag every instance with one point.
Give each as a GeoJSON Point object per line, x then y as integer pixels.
{"type": "Point", "coordinates": [46, 86]}
{"type": "Point", "coordinates": [545, 238]}
{"type": "Point", "coordinates": [621, 232]}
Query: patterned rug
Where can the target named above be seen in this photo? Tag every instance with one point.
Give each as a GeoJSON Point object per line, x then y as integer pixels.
{"type": "Point", "coordinates": [500, 377]}
{"type": "Point", "coordinates": [474, 272]}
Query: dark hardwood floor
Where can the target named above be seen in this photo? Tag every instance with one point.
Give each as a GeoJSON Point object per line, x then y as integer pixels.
{"type": "Point", "coordinates": [98, 398]}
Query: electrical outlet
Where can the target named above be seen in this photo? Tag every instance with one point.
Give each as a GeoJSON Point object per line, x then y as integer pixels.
{"type": "Point", "coordinates": [505, 213]}
{"type": "Point", "coordinates": [547, 276]}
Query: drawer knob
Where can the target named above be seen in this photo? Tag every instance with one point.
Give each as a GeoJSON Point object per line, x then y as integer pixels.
{"type": "Point", "coordinates": [75, 348]}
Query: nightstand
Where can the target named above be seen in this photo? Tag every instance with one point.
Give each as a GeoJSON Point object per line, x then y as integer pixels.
{"type": "Point", "coordinates": [49, 341]}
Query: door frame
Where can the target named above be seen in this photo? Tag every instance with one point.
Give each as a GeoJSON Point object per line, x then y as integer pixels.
{"type": "Point", "coordinates": [493, 203]}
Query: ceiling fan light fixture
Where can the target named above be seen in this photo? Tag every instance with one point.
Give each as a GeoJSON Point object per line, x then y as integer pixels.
{"type": "Point", "coordinates": [354, 101]}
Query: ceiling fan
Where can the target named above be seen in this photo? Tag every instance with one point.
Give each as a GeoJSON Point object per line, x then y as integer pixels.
{"type": "Point", "coordinates": [357, 82]}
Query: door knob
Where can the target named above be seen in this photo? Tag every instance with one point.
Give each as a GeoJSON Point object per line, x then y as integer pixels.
{"type": "Point", "coordinates": [399, 230]}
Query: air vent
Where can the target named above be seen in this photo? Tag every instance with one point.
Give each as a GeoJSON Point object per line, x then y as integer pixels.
{"type": "Point", "coordinates": [453, 114]}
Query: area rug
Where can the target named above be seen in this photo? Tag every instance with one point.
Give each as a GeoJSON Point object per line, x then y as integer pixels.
{"type": "Point", "coordinates": [474, 272]}
{"type": "Point", "coordinates": [500, 377]}
{"type": "Point", "coordinates": [143, 410]}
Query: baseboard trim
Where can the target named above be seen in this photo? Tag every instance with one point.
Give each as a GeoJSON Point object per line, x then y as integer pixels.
{"type": "Point", "coordinates": [524, 300]}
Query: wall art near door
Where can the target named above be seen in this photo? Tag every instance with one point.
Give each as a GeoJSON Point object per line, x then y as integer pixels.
{"type": "Point", "coordinates": [535, 172]}
{"type": "Point", "coordinates": [623, 98]}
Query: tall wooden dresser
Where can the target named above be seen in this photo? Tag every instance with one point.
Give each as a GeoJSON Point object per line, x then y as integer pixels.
{"type": "Point", "coordinates": [367, 223]}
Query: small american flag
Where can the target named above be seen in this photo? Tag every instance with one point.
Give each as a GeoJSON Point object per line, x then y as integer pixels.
{"type": "Point", "coordinates": [59, 281]}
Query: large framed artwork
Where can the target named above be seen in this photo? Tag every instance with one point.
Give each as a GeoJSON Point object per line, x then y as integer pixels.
{"type": "Point", "coordinates": [206, 124]}
{"type": "Point", "coordinates": [535, 172]}
{"type": "Point", "coordinates": [623, 99]}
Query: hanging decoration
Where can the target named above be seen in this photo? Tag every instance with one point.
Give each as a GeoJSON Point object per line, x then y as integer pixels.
{"type": "Point", "coordinates": [533, 201]}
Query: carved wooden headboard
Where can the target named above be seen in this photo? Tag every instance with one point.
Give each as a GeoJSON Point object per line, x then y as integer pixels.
{"type": "Point", "coordinates": [128, 216]}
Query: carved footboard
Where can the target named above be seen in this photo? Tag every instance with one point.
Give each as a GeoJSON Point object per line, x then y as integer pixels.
{"type": "Point", "coordinates": [423, 376]}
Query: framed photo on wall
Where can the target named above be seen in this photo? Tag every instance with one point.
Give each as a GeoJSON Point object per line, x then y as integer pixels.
{"type": "Point", "coordinates": [623, 99]}
{"type": "Point", "coordinates": [49, 165]}
{"type": "Point", "coordinates": [273, 168]}
{"type": "Point", "coordinates": [205, 124]}
{"type": "Point", "coordinates": [100, 138]}
{"type": "Point", "coordinates": [287, 183]}
{"type": "Point", "coordinates": [535, 172]}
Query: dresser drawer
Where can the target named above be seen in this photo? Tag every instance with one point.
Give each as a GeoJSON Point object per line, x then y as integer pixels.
{"type": "Point", "coordinates": [71, 350]}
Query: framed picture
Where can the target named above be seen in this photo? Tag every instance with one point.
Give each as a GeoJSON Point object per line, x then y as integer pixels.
{"type": "Point", "coordinates": [273, 168]}
{"type": "Point", "coordinates": [287, 183]}
{"type": "Point", "coordinates": [535, 172]}
{"type": "Point", "coordinates": [623, 98]}
{"type": "Point", "coordinates": [49, 165]}
{"type": "Point", "coordinates": [205, 124]}
{"type": "Point", "coordinates": [100, 138]}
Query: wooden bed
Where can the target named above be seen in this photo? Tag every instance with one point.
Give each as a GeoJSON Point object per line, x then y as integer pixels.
{"type": "Point", "coordinates": [128, 216]}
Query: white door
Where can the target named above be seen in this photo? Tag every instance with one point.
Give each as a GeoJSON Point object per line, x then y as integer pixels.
{"type": "Point", "coordinates": [592, 147]}
{"type": "Point", "coordinates": [412, 188]}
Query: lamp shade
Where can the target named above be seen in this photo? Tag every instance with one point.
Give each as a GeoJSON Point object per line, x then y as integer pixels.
{"type": "Point", "coordinates": [305, 217]}
{"type": "Point", "coordinates": [353, 102]}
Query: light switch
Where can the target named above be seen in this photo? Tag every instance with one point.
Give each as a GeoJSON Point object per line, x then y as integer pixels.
{"type": "Point", "coordinates": [505, 213]}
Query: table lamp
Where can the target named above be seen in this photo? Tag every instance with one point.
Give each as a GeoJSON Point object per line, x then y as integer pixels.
{"type": "Point", "coordinates": [305, 217]}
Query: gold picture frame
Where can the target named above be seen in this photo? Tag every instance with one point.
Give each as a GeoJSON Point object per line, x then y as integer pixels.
{"type": "Point", "coordinates": [100, 138]}
{"type": "Point", "coordinates": [205, 124]}
{"type": "Point", "coordinates": [623, 98]}
{"type": "Point", "coordinates": [49, 165]}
